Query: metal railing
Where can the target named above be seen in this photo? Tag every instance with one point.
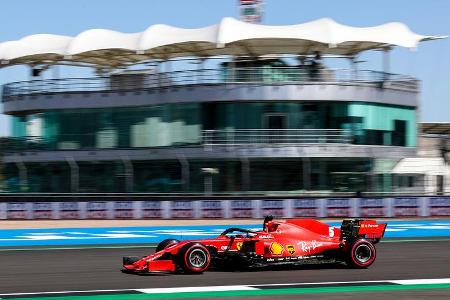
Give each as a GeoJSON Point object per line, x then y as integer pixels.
{"type": "Point", "coordinates": [276, 136]}
{"type": "Point", "coordinates": [229, 137]}
{"type": "Point", "coordinates": [250, 75]}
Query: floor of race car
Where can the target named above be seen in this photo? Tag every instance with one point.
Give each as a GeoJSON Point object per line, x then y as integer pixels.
{"type": "Point", "coordinates": [98, 269]}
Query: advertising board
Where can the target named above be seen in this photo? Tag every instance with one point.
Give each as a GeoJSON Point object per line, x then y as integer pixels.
{"type": "Point", "coordinates": [273, 207]}
{"type": "Point", "coordinates": [305, 208]}
{"type": "Point", "coordinates": [123, 209]}
{"type": "Point", "coordinates": [242, 208]}
{"type": "Point", "coordinates": [97, 210]}
{"type": "Point", "coordinates": [439, 206]}
{"type": "Point", "coordinates": [406, 207]}
{"type": "Point", "coordinates": [212, 209]}
{"type": "Point", "coordinates": [338, 207]}
{"type": "Point", "coordinates": [151, 210]}
{"type": "Point", "coordinates": [372, 207]}
{"type": "Point", "coordinates": [69, 210]}
{"type": "Point", "coordinates": [17, 211]}
{"type": "Point", "coordinates": [180, 209]}
{"type": "Point", "coordinates": [42, 210]}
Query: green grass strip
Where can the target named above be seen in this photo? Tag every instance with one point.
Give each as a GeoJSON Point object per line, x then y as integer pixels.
{"type": "Point", "coordinates": [249, 293]}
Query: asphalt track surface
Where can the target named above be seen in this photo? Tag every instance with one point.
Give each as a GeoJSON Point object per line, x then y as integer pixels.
{"type": "Point", "coordinates": [99, 269]}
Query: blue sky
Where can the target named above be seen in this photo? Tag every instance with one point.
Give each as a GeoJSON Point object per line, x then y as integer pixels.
{"type": "Point", "coordinates": [430, 63]}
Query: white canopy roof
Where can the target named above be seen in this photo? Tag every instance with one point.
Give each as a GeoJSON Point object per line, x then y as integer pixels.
{"type": "Point", "coordinates": [421, 165]}
{"type": "Point", "coordinates": [229, 37]}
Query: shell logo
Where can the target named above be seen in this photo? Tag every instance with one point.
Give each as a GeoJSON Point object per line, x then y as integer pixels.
{"type": "Point", "coordinates": [276, 249]}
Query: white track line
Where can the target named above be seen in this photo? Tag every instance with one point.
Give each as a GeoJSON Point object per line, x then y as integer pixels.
{"type": "Point", "coordinates": [421, 281]}
{"type": "Point", "coordinates": [198, 289]}
{"type": "Point", "coordinates": [221, 288]}
{"type": "Point", "coordinates": [66, 292]}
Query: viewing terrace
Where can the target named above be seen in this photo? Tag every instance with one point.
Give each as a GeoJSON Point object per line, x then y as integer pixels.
{"type": "Point", "coordinates": [136, 81]}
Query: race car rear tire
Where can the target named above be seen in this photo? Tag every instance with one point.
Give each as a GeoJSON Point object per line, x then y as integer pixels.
{"type": "Point", "coordinates": [166, 243]}
{"type": "Point", "coordinates": [361, 254]}
{"type": "Point", "coordinates": [194, 258]}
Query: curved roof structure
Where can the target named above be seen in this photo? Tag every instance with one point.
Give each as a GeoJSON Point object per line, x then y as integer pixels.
{"type": "Point", "coordinates": [109, 48]}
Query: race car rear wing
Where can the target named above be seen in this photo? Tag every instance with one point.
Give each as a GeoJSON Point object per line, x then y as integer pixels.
{"type": "Point", "coordinates": [357, 228]}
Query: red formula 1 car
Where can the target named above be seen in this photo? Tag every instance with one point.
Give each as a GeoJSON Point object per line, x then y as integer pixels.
{"type": "Point", "coordinates": [295, 241]}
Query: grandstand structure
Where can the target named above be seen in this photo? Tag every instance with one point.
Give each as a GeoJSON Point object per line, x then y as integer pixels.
{"type": "Point", "coordinates": [229, 108]}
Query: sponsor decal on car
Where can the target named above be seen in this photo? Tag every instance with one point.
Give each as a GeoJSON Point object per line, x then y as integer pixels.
{"type": "Point", "coordinates": [290, 249]}
{"type": "Point", "coordinates": [266, 237]}
{"type": "Point", "coordinates": [308, 247]}
{"type": "Point", "coordinates": [239, 246]}
{"type": "Point", "coordinates": [276, 249]}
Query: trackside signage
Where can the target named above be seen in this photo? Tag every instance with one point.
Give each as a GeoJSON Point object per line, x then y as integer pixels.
{"type": "Point", "coordinates": [338, 207]}
{"type": "Point", "coordinates": [151, 209]}
{"type": "Point", "coordinates": [242, 208]}
{"type": "Point", "coordinates": [275, 208]}
{"type": "Point", "coordinates": [212, 209]}
{"type": "Point", "coordinates": [406, 207]}
{"type": "Point", "coordinates": [305, 208]}
{"type": "Point", "coordinates": [235, 208]}
{"type": "Point", "coordinates": [375, 207]}
{"type": "Point", "coordinates": [182, 209]}
{"type": "Point", "coordinates": [439, 206]}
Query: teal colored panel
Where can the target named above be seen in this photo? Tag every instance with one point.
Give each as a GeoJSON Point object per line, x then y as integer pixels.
{"type": "Point", "coordinates": [19, 126]}
{"type": "Point", "coordinates": [379, 117]}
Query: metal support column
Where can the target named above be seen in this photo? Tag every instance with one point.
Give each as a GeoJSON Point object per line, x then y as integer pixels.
{"type": "Point", "coordinates": [386, 64]}
{"type": "Point", "coordinates": [129, 174]}
{"type": "Point", "coordinates": [23, 175]}
{"type": "Point", "coordinates": [245, 173]}
{"type": "Point", "coordinates": [306, 173]}
{"type": "Point", "coordinates": [185, 172]}
{"type": "Point", "coordinates": [74, 174]}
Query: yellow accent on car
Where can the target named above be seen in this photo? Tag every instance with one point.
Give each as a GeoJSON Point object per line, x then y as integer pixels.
{"type": "Point", "coordinates": [290, 249]}
{"type": "Point", "coordinates": [276, 249]}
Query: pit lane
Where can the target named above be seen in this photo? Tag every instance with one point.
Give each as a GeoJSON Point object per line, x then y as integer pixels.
{"type": "Point", "coordinates": [99, 269]}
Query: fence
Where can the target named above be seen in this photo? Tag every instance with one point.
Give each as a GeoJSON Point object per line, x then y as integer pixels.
{"type": "Point", "coordinates": [249, 75]}
{"type": "Point", "coordinates": [230, 208]}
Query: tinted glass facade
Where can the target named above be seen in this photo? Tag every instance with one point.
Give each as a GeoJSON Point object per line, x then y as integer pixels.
{"type": "Point", "coordinates": [182, 124]}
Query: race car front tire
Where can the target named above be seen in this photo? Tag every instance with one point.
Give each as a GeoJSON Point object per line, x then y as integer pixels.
{"type": "Point", "coordinates": [194, 258]}
{"type": "Point", "coordinates": [166, 243]}
{"type": "Point", "coordinates": [361, 254]}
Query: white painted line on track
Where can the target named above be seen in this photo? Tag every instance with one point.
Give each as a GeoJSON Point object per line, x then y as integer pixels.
{"type": "Point", "coordinates": [65, 292]}
{"type": "Point", "coordinates": [421, 281]}
{"type": "Point", "coordinates": [321, 283]}
{"type": "Point", "coordinates": [198, 289]}
{"type": "Point", "coordinates": [239, 287]}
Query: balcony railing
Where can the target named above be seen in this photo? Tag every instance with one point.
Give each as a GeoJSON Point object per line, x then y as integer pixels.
{"type": "Point", "coordinates": [275, 137]}
{"type": "Point", "coordinates": [250, 75]}
{"type": "Point", "coordinates": [209, 138]}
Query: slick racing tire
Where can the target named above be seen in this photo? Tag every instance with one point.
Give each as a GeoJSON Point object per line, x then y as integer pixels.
{"type": "Point", "coordinates": [194, 258]}
{"type": "Point", "coordinates": [166, 243]}
{"type": "Point", "coordinates": [361, 254]}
